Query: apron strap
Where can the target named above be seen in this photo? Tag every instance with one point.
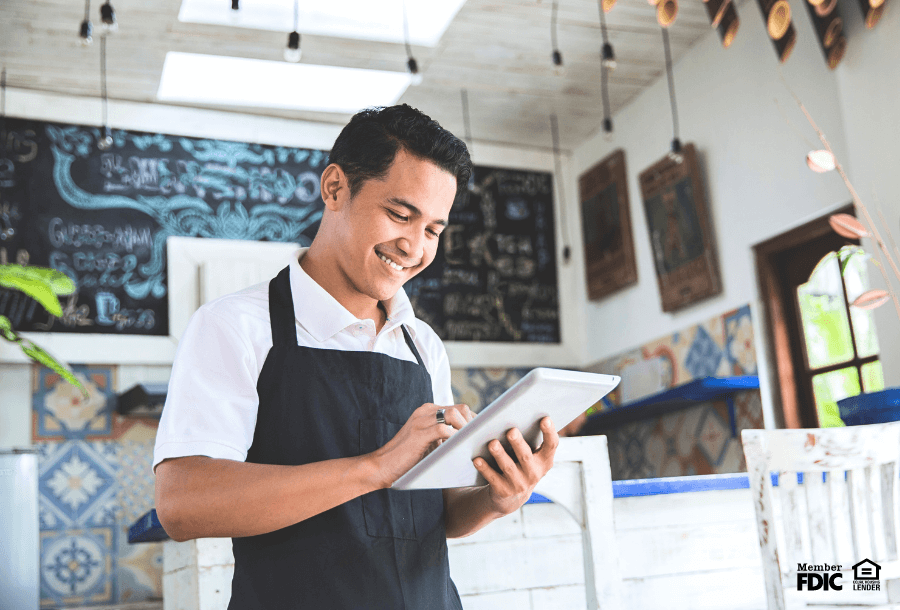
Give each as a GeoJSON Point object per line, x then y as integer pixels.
{"type": "Point", "coordinates": [412, 346]}
{"type": "Point", "coordinates": [281, 309]}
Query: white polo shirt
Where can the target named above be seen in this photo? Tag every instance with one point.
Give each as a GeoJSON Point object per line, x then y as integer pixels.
{"type": "Point", "coordinates": [211, 404]}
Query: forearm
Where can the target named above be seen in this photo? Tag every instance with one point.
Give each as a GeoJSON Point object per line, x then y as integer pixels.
{"type": "Point", "coordinates": [467, 510]}
{"type": "Point", "coordinates": [201, 497]}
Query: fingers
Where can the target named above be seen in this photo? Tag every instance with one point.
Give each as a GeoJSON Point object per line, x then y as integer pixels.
{"type": "Point", "coordinates": [550, 442]}
{"type": "Point", "coordinates": [458, 415]}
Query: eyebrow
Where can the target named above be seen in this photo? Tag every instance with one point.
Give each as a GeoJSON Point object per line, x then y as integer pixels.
{"type": "Point", "coordinates": [414, 210]}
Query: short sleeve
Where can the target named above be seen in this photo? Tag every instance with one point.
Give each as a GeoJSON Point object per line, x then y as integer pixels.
{"type": "Point", "coordinates": [211, 403]}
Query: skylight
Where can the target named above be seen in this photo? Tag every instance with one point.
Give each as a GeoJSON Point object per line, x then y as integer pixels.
{"type": "Point", "coordinates": [233, 81]}
{"type": "Point", "coordinates": [380, 20]}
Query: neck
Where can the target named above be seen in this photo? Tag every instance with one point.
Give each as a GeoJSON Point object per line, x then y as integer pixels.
{"type": "Point", "coordinates": [325, 271]}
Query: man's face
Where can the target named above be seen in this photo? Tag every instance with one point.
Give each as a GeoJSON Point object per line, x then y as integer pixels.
{"type": "Point", "coordinates": [390, 227]}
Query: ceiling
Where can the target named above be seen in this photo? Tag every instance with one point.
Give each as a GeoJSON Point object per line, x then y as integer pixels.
{"type": "Point", "coordinates": [499, 50]}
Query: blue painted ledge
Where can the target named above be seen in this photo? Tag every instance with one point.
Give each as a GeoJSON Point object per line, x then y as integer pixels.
{"type": "Point", "coordinates": [148, 528]}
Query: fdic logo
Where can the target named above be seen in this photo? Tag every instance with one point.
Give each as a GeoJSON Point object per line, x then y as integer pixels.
{"type": "Point", "coordinates": [825, 577]}
{"type": "Point", "coordinates": [819, 576]}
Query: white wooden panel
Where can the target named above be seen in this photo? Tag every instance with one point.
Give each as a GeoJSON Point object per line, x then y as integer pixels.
{"type": "Point", "coordinates": [696, 508]}
{"type": "Point", "coordinates": [537, 562]}
{"type": "Point", "coordinates": [736, 589]}
{"type": "Point", "coordinates": [518, 600]}
{"type": "Point", "coordinates": [504, 528]}
{"type": "Point", "coordinates": [694, 548]}
{"type": "Point", "coordinates": [819, 511]}
{"type": "Point", "coordinates": [545, 520]}
{"type": "Point", "coordinates": [15, 405]}
{"type": "Point", "coordinates": [186, 255]}
{"type": "Point", "coordinates": [557, 598]}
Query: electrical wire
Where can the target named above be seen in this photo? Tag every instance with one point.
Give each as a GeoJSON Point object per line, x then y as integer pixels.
{"type": "Point", "coordinates": [296, 15]}
{"type": "Point", "coordinates": [464, 94]}
{"type": "Point", "coordinates": [602, 21]}
{"type": "Point", "coordinates": [103, 81]}
{"type": "Point", "coordinates": [553, 13]}
{"type": "Point", "coordinates": [557, 164]}
{"type": "Point", "coordinates": [671, 78]}
{"type": "Point", "coordinates": [87, 10]}
{"type": "Point", "coordinates": [406, 32]}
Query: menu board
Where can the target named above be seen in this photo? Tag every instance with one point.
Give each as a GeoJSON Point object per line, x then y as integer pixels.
{"type": "Point", "coordinates": [103, 216]}
{"type": "Point", "coordinates": [494, 277]}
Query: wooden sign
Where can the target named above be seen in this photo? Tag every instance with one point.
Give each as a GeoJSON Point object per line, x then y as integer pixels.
{"type": "Point", "coordinates": [681, 236]}
{"type": "Point", "coordinates": [609, 259]}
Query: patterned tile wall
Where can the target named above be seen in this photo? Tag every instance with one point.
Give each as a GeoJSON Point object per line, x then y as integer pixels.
{"type": "Point", "coordinates": [696, 440]}
{"type": "Point", "coordinates": [95, 481]}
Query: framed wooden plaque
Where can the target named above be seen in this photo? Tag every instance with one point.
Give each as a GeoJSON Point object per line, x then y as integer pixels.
{"type": "Point", "coordinates": [681, 236]}
{"type": "Point", "coordinates": [609, 259]}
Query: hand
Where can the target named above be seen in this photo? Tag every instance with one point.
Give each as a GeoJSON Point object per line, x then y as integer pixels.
{"type": "Point", "coordinates": [511, 486]}
{"type": "Point", "coordinates": [417, 438]}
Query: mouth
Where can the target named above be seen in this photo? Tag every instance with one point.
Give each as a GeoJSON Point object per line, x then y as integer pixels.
{"type": "Point", "coordinates": [392, 264]}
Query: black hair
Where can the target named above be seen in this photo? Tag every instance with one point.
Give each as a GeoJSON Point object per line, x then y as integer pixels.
{"type": "Point", "coordinates": [367, 145]}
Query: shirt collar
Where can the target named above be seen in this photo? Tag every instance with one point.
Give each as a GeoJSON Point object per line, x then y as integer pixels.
{"type": "Point", "coordinates": [323, 316]}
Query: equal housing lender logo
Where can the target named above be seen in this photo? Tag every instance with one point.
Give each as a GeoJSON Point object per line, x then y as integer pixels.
{"type": "Point", "coordinates": [828, 577]}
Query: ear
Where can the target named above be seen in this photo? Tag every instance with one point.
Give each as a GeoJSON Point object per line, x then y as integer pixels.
{"type": "Point", "coordinates": [335, 188]}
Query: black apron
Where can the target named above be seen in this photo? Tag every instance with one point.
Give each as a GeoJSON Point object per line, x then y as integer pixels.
{"type": "Point", "coordinates": [384, 550]}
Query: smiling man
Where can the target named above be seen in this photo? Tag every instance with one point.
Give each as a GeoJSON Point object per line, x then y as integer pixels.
{"type": "Point", "coordinates": [295, 404]}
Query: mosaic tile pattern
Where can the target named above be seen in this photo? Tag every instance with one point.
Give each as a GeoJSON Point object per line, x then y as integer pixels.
{"type": "Point", "coordinates": [696, 440]}
{"type": "Point", "coordinates": [95, 481]}
{"type": "Point", "coordinates": [479, 387]}
{"type": "Point", "coordinates": [60, 410]}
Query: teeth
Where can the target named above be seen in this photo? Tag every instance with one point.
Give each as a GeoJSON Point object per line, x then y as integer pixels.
{"type": "Point", "coordinates": [390, 262]}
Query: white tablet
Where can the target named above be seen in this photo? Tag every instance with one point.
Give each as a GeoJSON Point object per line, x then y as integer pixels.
{"type": "Point", "coordinates": [563, 395]}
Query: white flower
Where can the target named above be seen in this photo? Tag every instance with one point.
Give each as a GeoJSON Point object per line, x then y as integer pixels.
{"type": "Point", "coordinates": [75, 482]}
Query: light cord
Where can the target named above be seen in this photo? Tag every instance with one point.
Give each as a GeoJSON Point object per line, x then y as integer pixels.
{"type": "Point", "coordinates": [671, 78]}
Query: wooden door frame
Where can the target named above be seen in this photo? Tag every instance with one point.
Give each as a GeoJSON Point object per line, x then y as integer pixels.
{"type": "Point", "coordinates": [783, 323]}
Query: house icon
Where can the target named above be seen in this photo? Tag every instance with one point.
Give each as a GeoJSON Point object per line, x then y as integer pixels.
{"type": "Point", "coordinates": [866, 570]}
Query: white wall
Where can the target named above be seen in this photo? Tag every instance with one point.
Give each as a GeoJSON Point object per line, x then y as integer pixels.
{"type": "Point", "coordinates": [869, 88]}
{"type": "Point", "coordinates": [752, 152]}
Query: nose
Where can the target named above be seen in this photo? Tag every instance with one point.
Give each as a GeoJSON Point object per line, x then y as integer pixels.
{"type": "Point", "coordinates": [412, 245]}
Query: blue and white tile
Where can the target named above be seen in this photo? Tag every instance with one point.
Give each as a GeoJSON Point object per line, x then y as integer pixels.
{"type": "Point", "coordinates": [78, 484]}
{"type": "Point", "coordinates": [135, 479]}
{"type": "Point", "coordinates": [77, 567]}
{"type": "Point", "coordinates": [62, 412]}
{"type": "Point", "coordinates": [739, 345]}
{"type": "Point", "coordinates": [703, 356]}
{"type": "Point", "coordinates": [712, 435]}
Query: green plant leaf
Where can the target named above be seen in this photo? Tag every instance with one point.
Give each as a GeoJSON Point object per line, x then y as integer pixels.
{"type": "Point", "coordinates": [41, 356]}
{"type": "Point", "coordinates": [6, 329]}
{"type": "Point", "coordinates": [35, 287]}
{"type": "Point", "coordinates": [58, 282]}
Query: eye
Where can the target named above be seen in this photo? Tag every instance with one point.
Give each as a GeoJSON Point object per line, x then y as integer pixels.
{"type": "Point", "coordinates": [398, 217]}
{"type": "Point", "coordinates": [433, 232]}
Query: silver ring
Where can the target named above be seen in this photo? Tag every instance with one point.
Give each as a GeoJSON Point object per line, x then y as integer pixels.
{"type": "Point", "coordinates": [440, 416]}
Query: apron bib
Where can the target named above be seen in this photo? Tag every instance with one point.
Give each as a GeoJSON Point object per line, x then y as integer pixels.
{"type": "Point", "coordinates": [384, 550]}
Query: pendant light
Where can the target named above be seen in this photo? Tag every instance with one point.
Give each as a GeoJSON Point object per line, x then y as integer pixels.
{"type": "Point", "coordinates": [558, 179]}
{"type": "Point", "coordinates": [235, 5]}
{"type": "Point", "coordinates": [467, 127]}
{"type": "Point", "coordinates": [412, 66]}
{"type": "Point", "coordinates": [674, 154]}
{"type": "Point", "coordinates": [292, 51]}
{"type": "Point", "coordinates": [828, 26]}
{"type": "Point", "coordinates": [607, 55]}
{"type": "Point", "coordinates": [86, 31]}
{"type": "Point", "coordinates": [108, 23]}
{"type": "Point", "coordinates": [558, 68]}
{"type": "Point", "coordinates": [666, 11]}
{"type": "Point", "coordinates": [106, 141]}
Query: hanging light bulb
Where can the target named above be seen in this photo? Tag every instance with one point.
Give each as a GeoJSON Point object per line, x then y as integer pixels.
{"type": "Point", "coordinates": [108, 21]}
{"type": "Point", "coordinates": [292, 51]}
{"type": "Point", "coordinates": [106, 141]}
{"type": "Point", "coordinates": [558, 67]}
{"type": "Point", "coordinates": [675, 154]}
{"type": "Point", "coordinates": [412, 66]}
{"type": "Point", "coordinates": [609, 57]}
{"type": "Point", "coordinates": [608, 129]}
{"type": "Point", "coordinates": [87, 28]}
{"type": "Point", "coordinates": [235, 5]}
{"type": "Point", "coordinates": [86, 32]}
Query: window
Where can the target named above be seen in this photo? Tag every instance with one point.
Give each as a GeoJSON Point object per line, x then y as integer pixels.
{"type": "Point", "coordinates": [823, 350]}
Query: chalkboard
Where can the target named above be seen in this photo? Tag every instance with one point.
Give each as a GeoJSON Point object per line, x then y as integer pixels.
{"type": "Point", "coordinates": [103, 217]}
{"type": "Point", "coordinates": [494, 277]}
